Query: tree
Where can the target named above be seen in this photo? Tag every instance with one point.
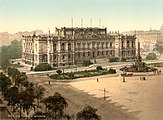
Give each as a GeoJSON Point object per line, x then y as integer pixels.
{"type": "Point", "coordinates": [12, 51]}
{"type": "Point", "coordinates": [159, 48]}
{"type": "Point", "coordinates": [4, 57]}
{"type": "Point", "coordinates": [26, 102]}
{"type": "Point", "coordinates": [12, 97]}
{"type": "Point", "coordinates": [39, 93]}
{"type": "Point", "coordinates": [18, 78]}
{"type": "Point", "coordinates": [55, 105]}
{"type": "Point", "coordinates": [15, 49]}
{"type": "Point", "coordinates": [88, 113]}
{"type": "Point", "coordinates": [5, 84]}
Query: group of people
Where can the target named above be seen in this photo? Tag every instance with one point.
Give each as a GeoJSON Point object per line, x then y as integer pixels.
{"type": "Point", "coordinates": [157, 72]}
{"type": "Point", "coordinates": [142, 78]}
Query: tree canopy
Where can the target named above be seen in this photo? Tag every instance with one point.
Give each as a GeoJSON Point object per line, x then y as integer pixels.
{"type": "Point", "coordinates": [88, 113]}
{"type": "Point", "coordinates": [159, 48]}
{"type": "Point", "coordinates": [12, 51]}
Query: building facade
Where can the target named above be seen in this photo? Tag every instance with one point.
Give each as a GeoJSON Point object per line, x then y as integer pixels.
{"type": "Point", "coordinates": [73, 45]}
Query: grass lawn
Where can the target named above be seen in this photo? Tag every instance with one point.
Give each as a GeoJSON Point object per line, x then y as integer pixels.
{"type": "Point", "coordinates": [156, 64]}
{"type": "Point", "coordinates": [16, 65]}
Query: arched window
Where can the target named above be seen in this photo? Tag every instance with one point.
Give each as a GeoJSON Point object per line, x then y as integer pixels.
{"type": "Point", "coordinates": [62, 46]}
{"type": "Point", "coordinates": [78, 54]}
{"type": "Point", "coordinates": [122, 44]}
{"type": "Point", "coordinates": [54, 57]}
{"type": "Point", "coordinates": [128, 44]}
{"type": "Point", "coordinates": [54, 47]}
{"type": "Point", "coordinates": [111, 44]}
{"type": "Point", "coordinates": [69, 46]}
{"type": "Point", "coordinates": [132, 43]}
{"type": "Point", "coordinates": [88, 53]}
{"type": "Point", "coordinates": [102, 45]}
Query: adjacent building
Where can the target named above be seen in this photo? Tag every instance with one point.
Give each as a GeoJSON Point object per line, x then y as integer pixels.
{"type": "Point", "coordinates": [70, 46]}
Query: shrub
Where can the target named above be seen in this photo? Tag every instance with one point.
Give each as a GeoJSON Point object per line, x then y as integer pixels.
{"type": "Point", "coordinates": [151, 56]}
{"type": "Point", "coordinates": [123, 59]}
{"type": "Point", "coordinates": [43, 67]}
{"type": "Point", "coordinates": [113, 59]}
{"type": "Point", "coordinates": [99, 68]}
{"type": "Point", "coordinates": [111, 71]}
{"type": "Point", "coordinates": [59, 71]}
{"type": "Point", "coordinates": [87, 63]}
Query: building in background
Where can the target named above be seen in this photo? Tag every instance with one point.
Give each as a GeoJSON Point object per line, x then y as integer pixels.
{"type": "Point", "coordinates": [148, 40]}
{"type": "Point", "coordinates": [70, 46]}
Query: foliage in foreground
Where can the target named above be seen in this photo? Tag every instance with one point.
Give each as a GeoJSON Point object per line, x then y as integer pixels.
{"type": "Point", "coordinates": [24, 96]}
{"type": "Point", "coordinates": [88, 113]}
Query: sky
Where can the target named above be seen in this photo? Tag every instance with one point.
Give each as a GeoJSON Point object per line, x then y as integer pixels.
{"type": "Point", "coordinates": [122, 15]}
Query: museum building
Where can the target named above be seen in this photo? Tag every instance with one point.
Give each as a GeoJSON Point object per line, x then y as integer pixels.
{"type": "Point", "coordinates": [71, 46]}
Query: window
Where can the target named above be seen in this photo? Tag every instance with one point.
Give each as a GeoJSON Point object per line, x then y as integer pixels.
{"type": "Point", "coordinates": [36, 47]}
{"type": "Point", "coordinates": [106, 52]}
{"type": "Point", "coordinates": [128, 52]}
{"type": "Point", "coordinates": [79, 54]}
{"type": "Point", "coordinates": [54, 47]}
{"type": "Point", "coordinates": [98, 44]}
{"type": "Point", "coordinates": [106, 44]}
{"type": "Point", "coordinates": [111, 44]}
{"type": "Point", "coordinates": [54, 57]}
{"type": "Point", "coordinates": [88, 45]}
{"type": "Point", "coordinates": [78, 45]}
{"type": "Point", "coordinates": [83, 54]}
{"type": "Point", "coordinates": [88, 53]}
{"type": "Point", "coordinates": [132, 43]}
{"type": "Point", "coordinates": [69, 56]}
{"type": "Point", "coordinates": [102, 45]}
{"type": "Point", "coordinates": [63, 57]}
{"type": "Point", "coordinates": [98, 53]}
{"type": "Point", "coordinates": [69, 46]}
{"type": "Point", "coordinates": [84, 45]}
{"type": "Point", "coordinates": [62, 46]}
{"type": "Point", "coordinates": [44, 58]}
{"type": "Point", "coordinates": [122, 44]}
{"type": "Point", "coordinates": [93, 54]}
{"type": "Point", "coordinates": [93, 45]}
{"type": "Point", "coordinates": [128, 44]}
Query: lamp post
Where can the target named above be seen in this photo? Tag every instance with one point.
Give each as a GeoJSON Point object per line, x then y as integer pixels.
{"type": "Point", "coordinates": [105, 93]}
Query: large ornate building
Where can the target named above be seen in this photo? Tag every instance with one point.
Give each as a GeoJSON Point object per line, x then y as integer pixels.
{"type": "Point", "coordinates": [73, 45]}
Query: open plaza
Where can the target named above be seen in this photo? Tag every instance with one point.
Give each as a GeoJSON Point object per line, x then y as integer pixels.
{"type": "Point", "coordinates": [134, 99]}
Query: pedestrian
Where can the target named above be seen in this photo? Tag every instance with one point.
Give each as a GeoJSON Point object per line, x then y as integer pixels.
{"type": "Point", "coordinates": [124, 79]}
{"type": "Point", "coordinates": [49, 82]}
{"type": "Point", "coordinates": [97, 79]}
{"type": "Point", "coordinates": [144, 78]}
{"type": "Point", "coordinates": [141, 78]}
